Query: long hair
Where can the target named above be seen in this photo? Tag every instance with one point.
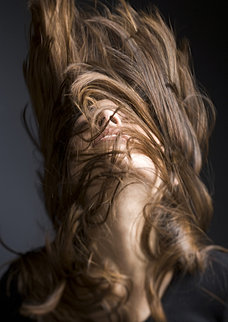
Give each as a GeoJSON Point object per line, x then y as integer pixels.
{"type": "Point", "coordinates": [76, 59]}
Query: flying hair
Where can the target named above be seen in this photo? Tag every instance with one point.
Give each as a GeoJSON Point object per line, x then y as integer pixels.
{"type": "Point", "coordinates": [78, 58]}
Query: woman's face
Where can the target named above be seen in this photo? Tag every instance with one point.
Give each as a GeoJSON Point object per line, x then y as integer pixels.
{"type": "Point", "coordinates": [108, 126]}
{"type": "Point", "coordinates": [110, 132]}
{"type": "Point", "coordinates": [120, 237]}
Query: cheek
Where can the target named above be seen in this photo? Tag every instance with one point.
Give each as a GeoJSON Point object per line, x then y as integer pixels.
{"type": "Point", "coordinates": [81, 144]}
{"type": "Point", "coordinates": [83, 141]}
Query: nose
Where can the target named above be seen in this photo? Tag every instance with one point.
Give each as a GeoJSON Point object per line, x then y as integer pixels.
{"type": "Point", "coordinates": [109, 116]}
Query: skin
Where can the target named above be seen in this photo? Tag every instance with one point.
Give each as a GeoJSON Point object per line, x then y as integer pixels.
{"type": "Point", "coordinates": [120, 244]}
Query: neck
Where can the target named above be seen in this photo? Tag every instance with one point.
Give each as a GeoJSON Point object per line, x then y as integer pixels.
{"type": "Point", "coordinates": [119, 245]}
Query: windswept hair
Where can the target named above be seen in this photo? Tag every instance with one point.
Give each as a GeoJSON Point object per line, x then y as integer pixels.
{"type": "Point", "coordinates": [77, 58]}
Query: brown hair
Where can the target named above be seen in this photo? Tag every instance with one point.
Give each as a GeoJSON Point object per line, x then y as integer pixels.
{"type": "Point", "coordinates": [77, 58]}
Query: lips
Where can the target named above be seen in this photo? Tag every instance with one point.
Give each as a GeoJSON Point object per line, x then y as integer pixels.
{"type": "Point", "coordinates": [108, 134]}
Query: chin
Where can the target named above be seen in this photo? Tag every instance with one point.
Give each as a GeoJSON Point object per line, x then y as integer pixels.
{"type": "Point", "coordinates": [142, 164]}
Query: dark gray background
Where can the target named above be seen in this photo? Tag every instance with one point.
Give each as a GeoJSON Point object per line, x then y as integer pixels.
{"type": "Point", "coordinates": [23, 219]}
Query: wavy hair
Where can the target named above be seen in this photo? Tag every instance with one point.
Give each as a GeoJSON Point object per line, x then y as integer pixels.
{"type": "Point", "coordinates": [76, 59]}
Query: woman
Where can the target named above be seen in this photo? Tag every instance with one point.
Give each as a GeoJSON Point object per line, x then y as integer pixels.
{"type": "Point", "coordinates": [124, 132]}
